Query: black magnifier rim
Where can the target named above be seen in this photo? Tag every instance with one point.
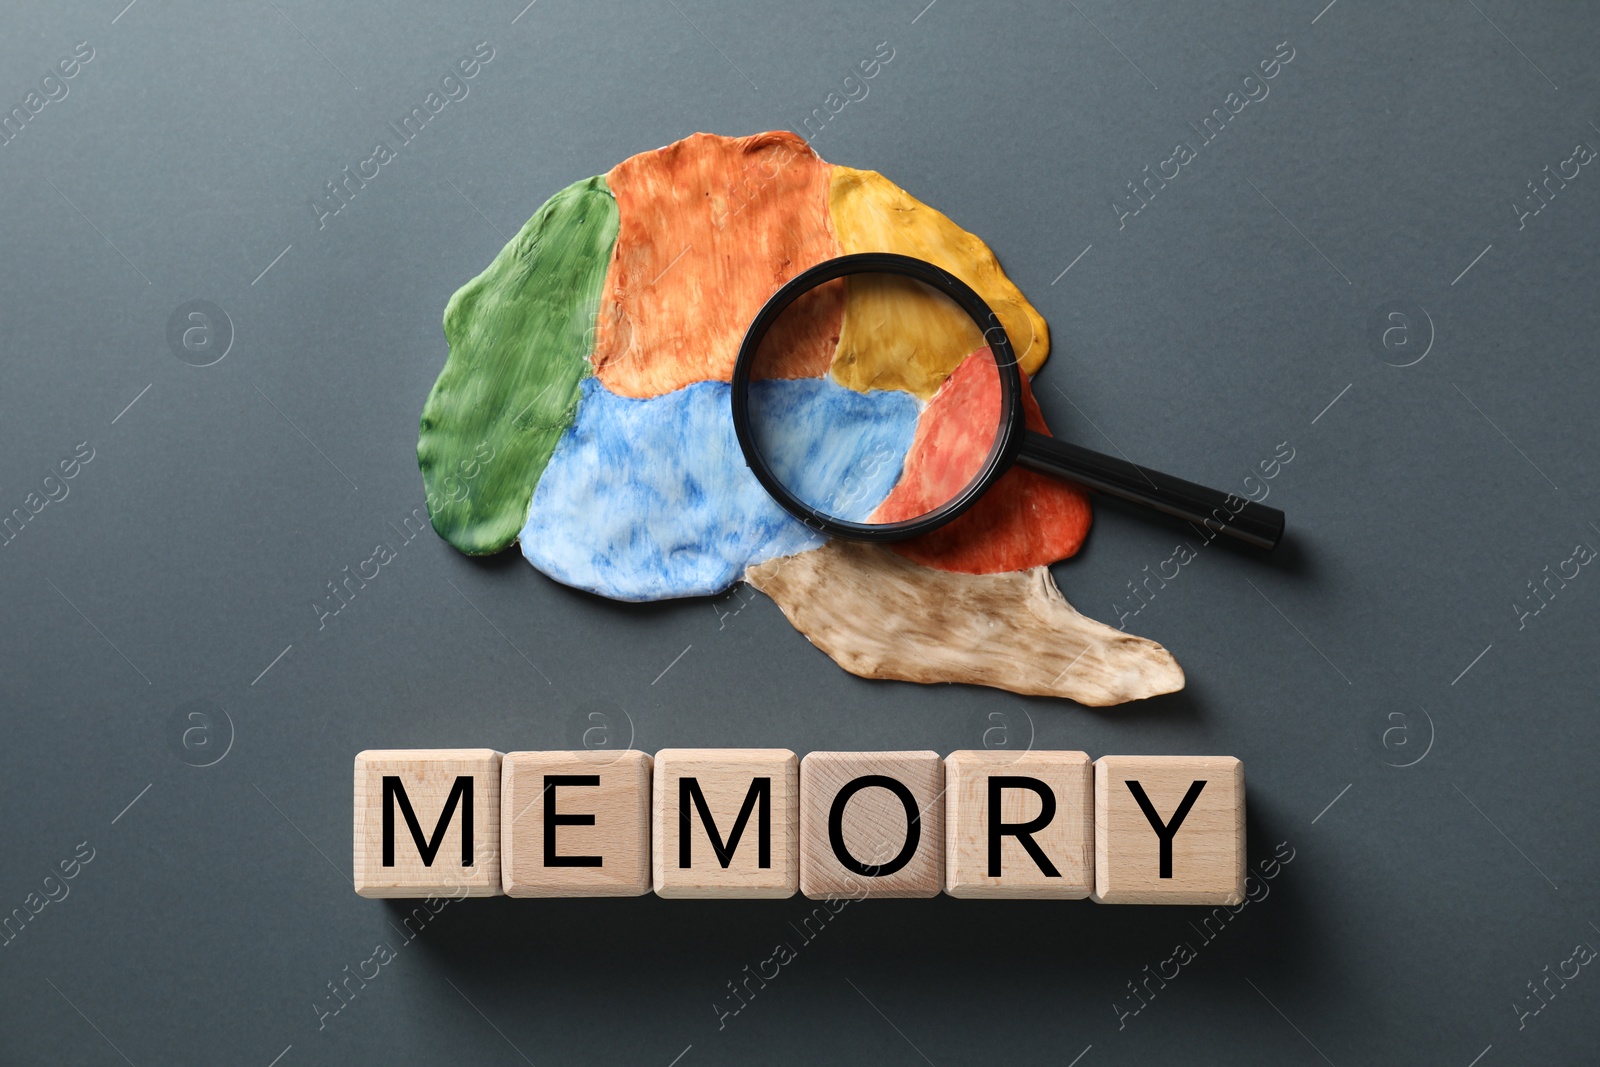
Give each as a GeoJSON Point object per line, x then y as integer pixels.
{"type": "Point", "coordinates": [1007, 442]}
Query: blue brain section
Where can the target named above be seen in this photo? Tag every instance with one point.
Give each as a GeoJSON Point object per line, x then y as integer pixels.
{"type": "Point", "coordinates": [821, 442]}
{"type": "Point", "coordinates": [648, 499]}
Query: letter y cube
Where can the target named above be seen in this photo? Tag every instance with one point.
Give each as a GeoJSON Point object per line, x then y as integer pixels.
{"type": "Point", "coordinates": [1168, 830]}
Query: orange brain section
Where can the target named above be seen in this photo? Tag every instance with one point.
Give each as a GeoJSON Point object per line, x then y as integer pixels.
{"type": "Point", "coordinates": [709, 228]}
{"type": "Point", "coordinates": [1024, 520]}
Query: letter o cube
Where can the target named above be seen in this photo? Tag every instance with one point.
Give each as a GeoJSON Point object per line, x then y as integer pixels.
{"type": "Point", "coordinates": [871, 824]}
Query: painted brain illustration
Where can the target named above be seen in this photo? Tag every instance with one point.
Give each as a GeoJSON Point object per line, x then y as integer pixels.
{"type": "Point", "coordinates": [583, 412]}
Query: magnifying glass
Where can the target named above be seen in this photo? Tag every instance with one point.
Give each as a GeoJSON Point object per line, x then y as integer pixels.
{"type": "Point", "coordinates": [880, 464]}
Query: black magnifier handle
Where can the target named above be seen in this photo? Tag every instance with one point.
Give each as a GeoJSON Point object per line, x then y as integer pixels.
{"type": "Point", "coordinates": [1231, 516]}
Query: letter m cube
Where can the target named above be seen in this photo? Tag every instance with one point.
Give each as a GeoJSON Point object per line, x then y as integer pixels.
{"type": "Point", "coordinates": [427, 823]}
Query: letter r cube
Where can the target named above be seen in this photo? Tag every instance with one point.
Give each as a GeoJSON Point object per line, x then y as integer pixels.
{"type": "Point", "coordinates": [427, 823]}
{"type": "Point", "coordinates": [1019, 824]}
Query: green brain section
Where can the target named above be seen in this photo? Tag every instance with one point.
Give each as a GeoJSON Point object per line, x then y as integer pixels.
{"type": "Point", "coordinates": [520, 336]}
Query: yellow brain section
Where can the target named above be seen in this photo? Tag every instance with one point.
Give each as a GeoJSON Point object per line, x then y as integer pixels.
{"type": "Point", "coordinates": [895, 334]}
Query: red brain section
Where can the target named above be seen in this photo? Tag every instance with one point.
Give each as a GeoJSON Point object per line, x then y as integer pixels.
{"type": "Point", "coordinates": [1024, 520]}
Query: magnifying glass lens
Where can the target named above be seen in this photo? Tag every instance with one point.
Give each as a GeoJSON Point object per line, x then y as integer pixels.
{"type": "Point", "coordinates": [881, 416]}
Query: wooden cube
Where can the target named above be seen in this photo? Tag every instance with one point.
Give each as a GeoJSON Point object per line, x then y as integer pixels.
{"type": "Point", "coordinates": [427, 822]}
{"type": "Point", "coordinates": [725, 822]}
{"type": "Point", "coordinates": [1168, 830]}
{"type": "Point", "coordinates": [871, 824]}
{"type": "Point", "coordinates": [1019, 824]}
{"type": "Point", "coordinates": [575, 824]}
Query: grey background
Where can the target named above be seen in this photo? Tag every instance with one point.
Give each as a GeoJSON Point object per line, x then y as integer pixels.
{"type": "Point", "coordinates": [1222, 320]}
